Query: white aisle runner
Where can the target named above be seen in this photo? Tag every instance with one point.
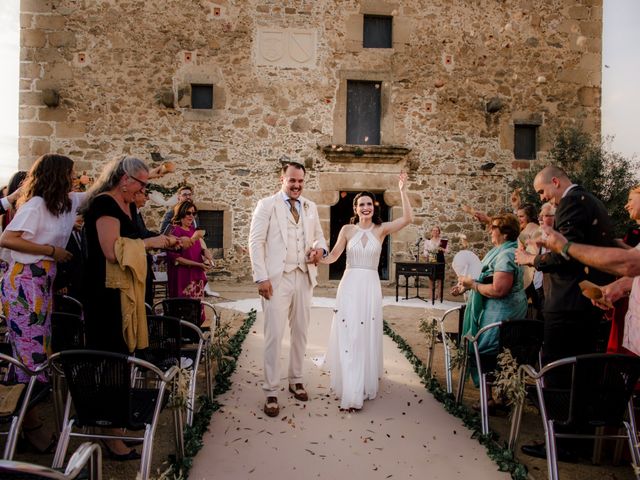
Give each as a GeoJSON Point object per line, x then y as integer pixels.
{"type": "Point", "coordinates": [404, 433]}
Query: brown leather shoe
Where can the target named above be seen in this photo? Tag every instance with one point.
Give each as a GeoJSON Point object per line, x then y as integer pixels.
{"type": "Point", "coordinates": [271, 408]}
{"type": "Point", "coordinates": [299, 392]}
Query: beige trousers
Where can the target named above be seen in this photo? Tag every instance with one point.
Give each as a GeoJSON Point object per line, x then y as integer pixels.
{"type": "Point", "coordinates": [290, 303]}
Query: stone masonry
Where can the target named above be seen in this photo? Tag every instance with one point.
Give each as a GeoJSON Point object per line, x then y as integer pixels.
{"type": "Point", "coordinates": [102, 78]}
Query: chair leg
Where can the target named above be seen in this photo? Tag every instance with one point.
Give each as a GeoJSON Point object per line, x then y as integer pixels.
{"type": "Point", "coordinates": [12, 440]}
{"type": "Point", "coordinates": [58, 385]}
{"type": "Point", "coordinates": [596, 455]}
{"type": "Point", "coordinates": [447, 366]}
{"type": "Point", "coordinates": [208, 374]}
{"type": "Point", "coordinates": [430, 349]}
{"type": "Point", "coordinates": [463, 378]}
{"type": "Point", "coordinates": [633, 448]}
{"type": "Point", "coordinates": [191, 399]}
{"type": "Point", "coordinates": [514, 430]}
{"type": "Point", "coordinates": [552, 454]}
{"type": "Point", "coordinates": [147, 450]}
{"type": "Point", "coordinates": [178, 428]}
{"type": "Point", "coordinates": [484, 405]}
{"type": "Point", "coordinates": [63, 442]}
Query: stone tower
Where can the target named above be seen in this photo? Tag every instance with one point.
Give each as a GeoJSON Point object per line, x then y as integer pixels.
{"type": "Point", "coordinates": [355, 90]}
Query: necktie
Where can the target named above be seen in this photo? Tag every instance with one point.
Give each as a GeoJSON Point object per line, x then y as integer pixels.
{"type": "Point", "coordinates": [294, 210]}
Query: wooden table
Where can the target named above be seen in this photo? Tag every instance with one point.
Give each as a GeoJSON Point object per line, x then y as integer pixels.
{"type": "Point", "coordinates": [433, 270]}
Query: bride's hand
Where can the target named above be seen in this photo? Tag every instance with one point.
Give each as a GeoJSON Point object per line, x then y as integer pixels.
{"type": "Point", "coordinates": [402, 180]}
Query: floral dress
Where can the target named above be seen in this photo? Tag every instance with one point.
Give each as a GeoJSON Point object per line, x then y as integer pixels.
{"type": "Point", "coordinates": [185, 280]}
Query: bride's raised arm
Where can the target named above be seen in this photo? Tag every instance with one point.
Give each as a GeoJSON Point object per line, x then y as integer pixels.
{"type": "Point", "coordinates": [338, 248]}
{"type": "Point", "coordinates": [407, 212]}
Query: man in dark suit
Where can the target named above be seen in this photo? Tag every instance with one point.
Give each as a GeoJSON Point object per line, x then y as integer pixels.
{"type": "Point", "coordinates": [570, 319]}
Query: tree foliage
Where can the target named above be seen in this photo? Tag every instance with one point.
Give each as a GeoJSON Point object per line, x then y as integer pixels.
{"type": "Point", "coordinates": [588, 162]}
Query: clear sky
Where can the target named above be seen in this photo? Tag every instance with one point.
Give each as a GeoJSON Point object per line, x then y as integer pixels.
{"type": "Point", "coordinates": [620, 80]}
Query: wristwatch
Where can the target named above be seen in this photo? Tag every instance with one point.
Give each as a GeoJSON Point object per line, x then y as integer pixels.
{"type": "Point", "coordinates": [565, 251]}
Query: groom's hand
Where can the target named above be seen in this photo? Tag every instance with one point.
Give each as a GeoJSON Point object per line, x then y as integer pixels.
{"type": "Point", "coordinates": [265, 289]}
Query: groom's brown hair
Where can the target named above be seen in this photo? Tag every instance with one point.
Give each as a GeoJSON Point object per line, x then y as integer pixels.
{"type": "Point", "coordinates": [288, 164]}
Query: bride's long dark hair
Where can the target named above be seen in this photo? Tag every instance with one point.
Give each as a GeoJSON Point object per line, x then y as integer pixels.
{"type": "Point", "coordinates": [375, 218]}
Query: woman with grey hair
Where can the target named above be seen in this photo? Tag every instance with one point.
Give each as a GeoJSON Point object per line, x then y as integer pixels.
{"type": "Point", "coordinates": [108, 219]}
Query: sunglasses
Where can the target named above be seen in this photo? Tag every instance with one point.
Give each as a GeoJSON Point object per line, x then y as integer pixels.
{"type": "Point", "coordinates": [190, 213]}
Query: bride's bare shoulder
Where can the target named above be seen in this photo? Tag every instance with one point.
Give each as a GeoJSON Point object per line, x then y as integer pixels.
{"type": "Point", "coordinates": [348, 230]}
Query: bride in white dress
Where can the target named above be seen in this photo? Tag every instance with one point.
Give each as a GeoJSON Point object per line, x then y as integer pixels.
{"type": "Point", "coordinates": [354, 356]}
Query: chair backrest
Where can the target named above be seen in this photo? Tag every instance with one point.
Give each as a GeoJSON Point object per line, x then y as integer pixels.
{"type": "Point", "coordinates": [67, 304]}
{"type": "Point", "coordinates": [607, 381]}
{"type": "Point", "coordinates": [523, 338]}
{"type": "Point", "coordinates": [165, 341]}
{"type": "Point", "coordinates": [67, 332]}
{"type": "Point", "coordinates": [187, 309]}
{"type": "Point", "coordinates": [100, 384]}
{"type": "Point", "coordinates": [601, 387]}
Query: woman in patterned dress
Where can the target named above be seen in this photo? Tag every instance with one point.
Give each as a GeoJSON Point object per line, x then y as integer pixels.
{"type": "Point", "coordinates": [36, 237]}
{"type": "Point", "coordinates": [186, 268]}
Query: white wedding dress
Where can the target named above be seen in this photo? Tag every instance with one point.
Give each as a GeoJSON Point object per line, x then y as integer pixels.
{"type": "Point", "coordinates": [354, 356]}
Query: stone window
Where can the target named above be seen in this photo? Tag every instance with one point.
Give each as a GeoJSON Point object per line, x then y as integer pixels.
{"type": "Point", "coordinates": [202, 96]}
{"type": "Point", "coordinates": [363, 112]}
{"type": "Point", "coordinates": [377, 31]}
{"type": "Point", "coordinates": [212, 221]}
{"type": "Point", "coordinates": [525, 141]}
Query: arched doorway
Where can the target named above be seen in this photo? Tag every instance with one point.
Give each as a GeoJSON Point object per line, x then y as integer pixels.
{"type": "Point", "coordinates": [341, 213]}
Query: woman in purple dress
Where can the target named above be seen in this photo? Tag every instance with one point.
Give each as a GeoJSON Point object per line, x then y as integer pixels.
{"type": "Point", "coordinates": [186, 268]}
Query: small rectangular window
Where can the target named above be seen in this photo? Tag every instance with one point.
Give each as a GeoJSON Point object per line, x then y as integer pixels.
{"type": "Point", "coordinates": [377, 31]}
{"type": "Point", "coordinates": [524, 142]}
{"type": "Point", "coordinates": [202, 97]}
{"type": "Point", "coordinates": [363, 112]}
{"type": "Point", "coordinates": [212, 221]}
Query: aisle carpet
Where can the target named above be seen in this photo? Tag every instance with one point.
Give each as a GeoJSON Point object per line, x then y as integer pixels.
{"type": "Point", "coordinates": [403, 433]}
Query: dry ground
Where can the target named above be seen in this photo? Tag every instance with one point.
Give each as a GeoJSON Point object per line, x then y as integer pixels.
{"type": "Point", "coordinates": [405, 321]}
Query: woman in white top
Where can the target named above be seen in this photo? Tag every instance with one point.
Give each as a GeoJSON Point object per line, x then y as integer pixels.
{"type": "Point", "coordinates": [435, 246]}
{"type": "Point", "coordinates": [36, 237]}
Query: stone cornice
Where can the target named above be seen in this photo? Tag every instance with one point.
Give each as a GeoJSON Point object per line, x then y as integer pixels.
{"type": "Point", "coordinates": [365, 153]}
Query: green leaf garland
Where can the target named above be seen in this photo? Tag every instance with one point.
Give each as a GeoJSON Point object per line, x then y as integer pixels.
{"type": "Point", "coordinates": [496, 452]}
{"type": "Point", "coordinates": [201, 420]}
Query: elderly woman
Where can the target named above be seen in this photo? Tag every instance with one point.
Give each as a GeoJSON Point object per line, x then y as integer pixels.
{"type": "Point", "coordinates": [186, 268]}
{"type": "Point", "coordinates": [497, 294]}
{"type": "Point", "coordinates": [108, 220]}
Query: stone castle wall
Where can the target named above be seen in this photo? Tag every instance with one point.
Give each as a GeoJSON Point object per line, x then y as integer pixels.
{"type": "Point", "coordinates": [123, 70]}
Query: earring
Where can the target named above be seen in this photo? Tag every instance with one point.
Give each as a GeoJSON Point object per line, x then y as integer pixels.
{"type": "Point", "coordinates": [123, 188]}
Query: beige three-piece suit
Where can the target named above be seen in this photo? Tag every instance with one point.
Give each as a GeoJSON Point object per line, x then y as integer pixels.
{"type": "Point", "coordinates": [277, 245]}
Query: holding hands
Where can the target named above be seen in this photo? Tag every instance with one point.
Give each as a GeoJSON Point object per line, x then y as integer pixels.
{"type": "Point", "coordinates": [315, 255]}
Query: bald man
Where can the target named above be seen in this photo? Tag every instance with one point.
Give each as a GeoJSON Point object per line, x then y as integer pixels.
{"type": "Point", "coordinates": [570, 319]}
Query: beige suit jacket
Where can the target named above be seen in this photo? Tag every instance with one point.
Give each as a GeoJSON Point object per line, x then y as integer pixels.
{"type": "Point", "coordinates": [268, 237]}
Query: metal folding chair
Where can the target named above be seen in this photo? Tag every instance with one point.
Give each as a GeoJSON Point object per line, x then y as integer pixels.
{"type": "Point", "coordinates": [166, 350]}
{"type": "Point", "coordinates": [523, 338]}
{"type": "Point", "coordinates": [88, 457]}
{"type": "Point", "coordinates": [190, 310]}
{"type": "Point", "coordinates": [15, 418]}
{"type": "Point", "coordinates": [600, 394]}
{"type": "Point", "coordinates": [105, 394]}
{"type": "Point", "coordinates": [454, 336]}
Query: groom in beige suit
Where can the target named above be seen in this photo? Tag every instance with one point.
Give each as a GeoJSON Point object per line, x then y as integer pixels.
{"type": "Point", "coordinates": [285, 243]}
